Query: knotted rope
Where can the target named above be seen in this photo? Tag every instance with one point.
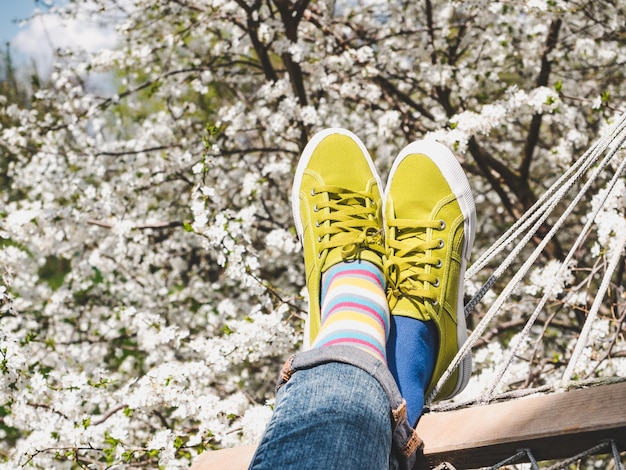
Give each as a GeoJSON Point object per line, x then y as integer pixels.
{"type": "Point", "coordinates": [529, 224]}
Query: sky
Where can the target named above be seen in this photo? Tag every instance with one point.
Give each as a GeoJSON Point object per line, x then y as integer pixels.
{"type": "Point", "coordinates": [10, 10]}
{"type": "Point", "coordinates": [35, 41]}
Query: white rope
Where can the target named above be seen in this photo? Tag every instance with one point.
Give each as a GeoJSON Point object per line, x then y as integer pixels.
{"type": "Point", "coordinates": [594, 450]}
{"type": "Point", "coordinates": [521, 454]}
{"type": "Point", "coordinates": [602, 447]}
{"type": "Point", "coordinates": [542, 209]}
{"type": "Point", "coordinates": [614, 140]}
{"type": "Point", "coordinates": [595, 307]}
{"type": "Point", "coordinates": [527, 392]}
{"type": "Point", "coordinates": [616, 458]}
{"type": "Point", "coordinates": [568, 178]}
{"type": "Point", "coordinates": [579, 240]}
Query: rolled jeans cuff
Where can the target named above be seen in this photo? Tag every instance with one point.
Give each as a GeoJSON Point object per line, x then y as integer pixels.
{"type": "Point", "coordinates": [406, 443]}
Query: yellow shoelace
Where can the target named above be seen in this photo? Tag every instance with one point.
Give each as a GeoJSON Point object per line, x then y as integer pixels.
{"type": "Point", "coordinates": [407, 259]}
{"type": "Point", "coordinates": [350, 223]}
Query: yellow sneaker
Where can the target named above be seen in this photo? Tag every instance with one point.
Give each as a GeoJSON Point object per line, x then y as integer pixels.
{"type": "Point", "coordinates": [429, 221]}
{"type": "Point", "coordinates": [337, 207]}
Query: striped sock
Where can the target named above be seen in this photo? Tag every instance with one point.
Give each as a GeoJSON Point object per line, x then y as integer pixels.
{"type": "Point", "coordinates": [354, 308]}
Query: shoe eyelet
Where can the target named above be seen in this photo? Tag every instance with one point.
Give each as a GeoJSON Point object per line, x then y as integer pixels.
{"type": "Point", "coordinates": [434, 302]}
{"type": "Point", "coordinates": [442, 225]}
{"type": "Point", "coordinates": [441, 243]}
{"type": "Point", "coordinates": [313, 192]}
{"type": "Point", "coordinates": [315, 209]}
{"type": "Point", "coordinates": [319, 239]}
{"type": "Point", "coordinates": [317, 223]}
{"type": "Point", "coordinates": [439, 264]}
{"type": "Point", "coordinates": [436, 283]}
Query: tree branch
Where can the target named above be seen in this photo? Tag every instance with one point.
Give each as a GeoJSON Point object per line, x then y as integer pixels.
{"type": "Point", "coordinates": [108, 414]}
{"type": "Point", "coordinates": [259, 47]}
{"type": "Point", "coordinates": [390, 88]}
{"type": "Point", "coordinates": [542, 80]}
{"type": "Point", "coordinates": [486, 163]}
{"type": "Point", "coordinates": [133, 152]}
{"type": "Point", "coordinates": [291, 14]}
{"type": "Point", "coordinates": [156, 225]}
{"type": "Point", "coordinates": [431, 31]}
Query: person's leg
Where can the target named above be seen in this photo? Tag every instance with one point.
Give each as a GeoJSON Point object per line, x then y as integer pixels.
{"type": "Point", "coordinates": [324, 417]}
{"type": "Point", "coordinates": [411, 352]}
{"type": "Point", "coordinates": [337, 204]}
{"type": "Point", "coordinates": [429, 221]}
{"type": "Point", "coordinates": [354, 310]}
{"type": "Point", "coordinates": [339, 406]}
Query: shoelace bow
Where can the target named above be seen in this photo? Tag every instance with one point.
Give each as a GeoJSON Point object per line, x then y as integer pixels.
{"type": "Point", "coordinates": [407, 259]}
{"type": "Point", "coordinates": [350, 223]}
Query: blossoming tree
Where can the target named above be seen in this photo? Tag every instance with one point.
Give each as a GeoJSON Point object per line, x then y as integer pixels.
{"type": "Point", "coordinates": [151, 278]}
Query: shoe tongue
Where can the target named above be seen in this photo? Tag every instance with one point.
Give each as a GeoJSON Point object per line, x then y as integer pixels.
{"type": "Point", "coordinates": [413, 307]}
{"type": "Point", "coordinates": [416, 236]}
{"type": "Point", "coordinates": [334, 257]}
{"type": "Point", "coordinates": [351, 201]}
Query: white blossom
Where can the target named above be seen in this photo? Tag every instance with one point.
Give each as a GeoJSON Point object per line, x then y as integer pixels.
{"type": "Point", "coordinates": [548, 277]}
{"type": "Point", "coordinates": [151, 283]}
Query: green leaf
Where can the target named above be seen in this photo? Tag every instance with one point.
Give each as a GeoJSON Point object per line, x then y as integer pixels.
{"type": "Point", "coordinates": [54, 271]}
{"type": "Point", "coordinates": [98, 278]}
{"type": "Point", "coordinates": [605, 97]}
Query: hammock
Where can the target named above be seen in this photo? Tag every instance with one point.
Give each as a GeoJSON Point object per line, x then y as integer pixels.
{"type": "Point", "coordinates": [593, 165]}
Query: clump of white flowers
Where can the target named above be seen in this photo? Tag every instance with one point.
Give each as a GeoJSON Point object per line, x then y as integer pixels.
{"type": "Point", "coordinates": [151, 282]}
{"type": "Point", "coordinates": [552, 277]}
{"type": "Point", "coordinates": [610, 221]}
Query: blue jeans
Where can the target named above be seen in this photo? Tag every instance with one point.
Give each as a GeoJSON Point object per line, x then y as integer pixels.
{"type": "Point", "coordinates": [337, 407]}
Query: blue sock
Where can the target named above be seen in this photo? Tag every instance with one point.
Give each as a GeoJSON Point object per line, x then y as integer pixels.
{"type": "Point", "coordinates": [411, 353]}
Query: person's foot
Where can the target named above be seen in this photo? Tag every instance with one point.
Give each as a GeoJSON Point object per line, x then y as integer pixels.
{"type": "Point", "coordinates": [429, 221]}
{"type": "Point", "coordinates": [336, 205]}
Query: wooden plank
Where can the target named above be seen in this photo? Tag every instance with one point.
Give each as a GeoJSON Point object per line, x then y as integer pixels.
{"type": "Point", "coordinates": [234, 458]}
{"type": "Point", "coordinates": [552, 426]}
